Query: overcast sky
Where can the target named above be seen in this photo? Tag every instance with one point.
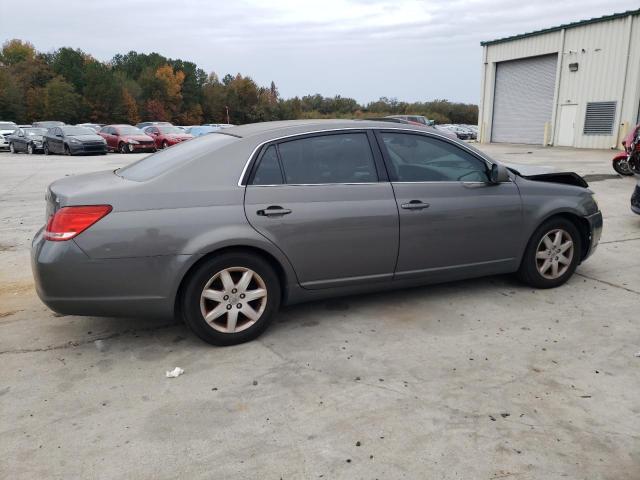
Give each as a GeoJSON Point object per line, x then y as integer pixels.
{"type": "Point", "coordinates": [365, 49]}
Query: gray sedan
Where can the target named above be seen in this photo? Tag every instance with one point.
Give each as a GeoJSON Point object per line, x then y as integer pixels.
{"type": "Point", "coordinates": [225, 229]}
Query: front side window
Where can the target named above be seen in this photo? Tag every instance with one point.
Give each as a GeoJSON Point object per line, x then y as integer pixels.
{"type": "Point", "coordinates": [339, 158]}
{"type": "Point", "coordinates": [417, 158]}
{"type": "Point", "coordinates": [268, 171]}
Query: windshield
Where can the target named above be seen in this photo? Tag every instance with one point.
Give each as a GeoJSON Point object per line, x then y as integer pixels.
{"type": "Point", "coordinates": [130, 131]}
{"type": "Point", "coordinates": [169, 129]}
{"type": "Point", "coordinates": [78, 131]}
{"type": "Point", "coordinates": [8, 126]}
{"type": "Point", "coordinates": [158, 163]}
{"type": "Point", "coordinates": [35, 132]}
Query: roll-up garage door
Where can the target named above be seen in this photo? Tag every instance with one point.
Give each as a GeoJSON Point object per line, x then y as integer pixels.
{"type": "Point", "coordinates": [523, 100]}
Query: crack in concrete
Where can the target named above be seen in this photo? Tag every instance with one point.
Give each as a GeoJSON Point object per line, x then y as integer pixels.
{"type": "Point", "coordinates": [623, 240]}
{"type": "Point", "coordinates": [608, 283]}
{"type": "Point", "coordinates": [73, 343]}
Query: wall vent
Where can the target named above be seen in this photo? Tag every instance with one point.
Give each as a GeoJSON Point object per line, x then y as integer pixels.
{"type": "Point", "coordinates": [600, 118]}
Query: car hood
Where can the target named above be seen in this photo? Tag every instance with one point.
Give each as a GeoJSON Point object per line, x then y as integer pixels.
{"type": "Point", "coordinates": [6, 132]}
{"type": "Point", "coordinates": [137, 138]}
{"type": "Point", "coordinates": [86, 138]}
{"type": "Point", "coordinates": [526, 170]}
{"type": "Point", "coordinates": [178, 135]}
{"type": "Point", "coordinates": [37, 138]}
{"type": "Point", "coordinates": [542, 173]}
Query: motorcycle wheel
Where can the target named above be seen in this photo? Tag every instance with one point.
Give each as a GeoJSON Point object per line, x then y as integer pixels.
{"type": "Point", "coordinates": [622, 167]}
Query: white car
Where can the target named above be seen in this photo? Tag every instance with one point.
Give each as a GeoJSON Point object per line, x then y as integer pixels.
{"type": "Point", "coordinates": [6, 129]}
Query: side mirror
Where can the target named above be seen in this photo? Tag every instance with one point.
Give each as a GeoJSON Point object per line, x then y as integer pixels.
{"type": "Point", "coordinates": [498, 174]}
{"type": "Point", "coordinates": [59, 135]}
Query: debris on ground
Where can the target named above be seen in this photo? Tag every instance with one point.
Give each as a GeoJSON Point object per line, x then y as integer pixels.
{"type": "Point", "coordinates": [176, 372]}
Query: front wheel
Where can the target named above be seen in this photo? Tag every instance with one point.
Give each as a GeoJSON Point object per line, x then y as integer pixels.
{"type": "Point", "coordinates": [621, 166]}
{"type": "Point", "coordinates": [67, 150]}
{"type": "Point", "coordinates": [122, 147]}
{"type": "Point", "coordinates": [165, 144]}
{"type": "Point", "coordinates": [12, 149]}
{"type": "Point", "coordinates": [552, 255]}
{"type": "Point", "coordinates": [45, 148]}
{"type": "Point", "coordinates": [231, 298]}
{"type": "Point", "coordinates": [30, 149]}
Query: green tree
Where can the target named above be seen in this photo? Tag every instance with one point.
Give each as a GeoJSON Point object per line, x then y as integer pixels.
{"type": "Point", "coordinates": [61, 102]}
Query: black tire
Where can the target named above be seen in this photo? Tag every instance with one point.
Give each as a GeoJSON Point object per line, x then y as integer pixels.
{"type": "Point", "coordinates": [165, 144]}
{"type": "Point", "coordinates": [622, 167]}
{"type": "Point", "coordinates": [529, 272]}
{"type": "Point", "coordinates": [198, 279]}
{"type": "Point", "coordinates": [122, 148]}
{"type": "Point", "coordinates": [30, 149]}
{"type": "Point", "coordinates": [67, 150]}
{"type": "Point", "coordinates": [12, 148]}
{"type": "Point", "coordinates": [45, 149]}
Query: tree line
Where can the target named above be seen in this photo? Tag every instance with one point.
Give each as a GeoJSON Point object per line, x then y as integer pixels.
{"type": "Point", "coordinates": [72, 86]}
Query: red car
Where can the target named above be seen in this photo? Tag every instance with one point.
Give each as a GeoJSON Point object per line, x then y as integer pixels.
{"type": "Point", "coordinates": [127, 139]}
{"type": "Point", "coordinates": [167, 135]}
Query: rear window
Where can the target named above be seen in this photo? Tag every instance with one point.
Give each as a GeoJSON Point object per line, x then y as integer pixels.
{"type": "Point", "coordinates": [164, 160]}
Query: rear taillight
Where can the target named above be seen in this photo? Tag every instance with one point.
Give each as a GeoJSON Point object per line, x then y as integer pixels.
{"type": "Point", "coordinates": [68, 222]}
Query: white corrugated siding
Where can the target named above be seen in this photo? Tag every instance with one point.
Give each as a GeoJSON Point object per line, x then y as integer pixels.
{"type": "Point", "coordinates": [600, 49]}
{"type": "Point", "coordinates": [523, 100]}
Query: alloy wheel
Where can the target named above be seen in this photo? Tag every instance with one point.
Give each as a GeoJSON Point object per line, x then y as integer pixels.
{"type": "Point", "coordinates": [554, 254]}
{"type": "Point", "coordinates": [233, 299]}
{"type": "Point", "coordinates": [30, 149]}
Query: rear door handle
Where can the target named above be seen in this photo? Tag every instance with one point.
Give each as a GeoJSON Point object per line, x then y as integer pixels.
{"type": "Point", "coordinates": [273, 211]}
{"type": "Point", "coordinates": [415, 205]}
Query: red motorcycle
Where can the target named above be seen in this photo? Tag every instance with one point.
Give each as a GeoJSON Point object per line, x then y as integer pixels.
{"type": "Point", "coordinates": [628, 162]}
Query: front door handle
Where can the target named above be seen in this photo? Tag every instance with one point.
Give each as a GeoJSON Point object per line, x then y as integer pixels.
{"type": "Point", "coordinates": [415, 205]}
{"type": "Point", "coordinates": [273, 211]}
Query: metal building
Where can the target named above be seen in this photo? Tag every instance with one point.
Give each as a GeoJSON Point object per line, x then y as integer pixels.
{"type": "Point", "coordinates": [574, 85]}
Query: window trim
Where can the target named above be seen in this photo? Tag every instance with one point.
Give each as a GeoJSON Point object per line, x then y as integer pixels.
{"type": "Point", "coordinates": [246, 179]}
{"type": "Point", "coordinates": [487, 163]}
{"type": "Point", "coordinates": [250, 162]}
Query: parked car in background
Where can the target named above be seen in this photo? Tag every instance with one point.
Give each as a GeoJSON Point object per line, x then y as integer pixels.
{"type": "Point", "coordinates": [127, 139]}
{"type": "Point", "coordinates": [445, 131]}
{"type": "Point", "coordinates": [94, 126]}
{"type": "Point", "coordinates": [70, 140]}
{"type": "Point", "coordinates": [219, 125]}
{"type": "Point", "coordinates": [167, 135]}
{"type": "Point", "coordinates": [199, 130]}
{"type": "Point", "coordinates": [436, 128]}
{"type": "Point", "coordinates": [27, 140]}
{"type": "Point", "coordinates": [416, 119]}
{"type": "Point", "coordinates": [6, 129]}
{"type": "Point", "coordinates": [461, 133]}
{"type": "Point", "coordinates": [48, 124]}
{"type": "Point", "coordinates": [143, 125]}
{"type": "Point", "coordinates": [224, 229]}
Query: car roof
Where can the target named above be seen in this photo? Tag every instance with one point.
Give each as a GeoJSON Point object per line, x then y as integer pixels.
{"type": "Point", "coordinates": [297, 127]}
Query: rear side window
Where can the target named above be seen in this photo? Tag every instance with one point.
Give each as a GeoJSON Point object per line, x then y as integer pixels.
{"type": "Point", "coordinates": [268, 171]}
{"type": "Point", "coordinates": [158, 163]}
{"type": "Point", "coordinates": [417, 158]}
{"type": "Point", "coordinates": [339, 158]}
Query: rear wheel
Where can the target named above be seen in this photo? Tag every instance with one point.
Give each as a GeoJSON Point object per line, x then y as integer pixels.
{"type": "Point", "coordinates": [231, 298]}
{"type": "Point", "coordinates": [30, 149]}
{"type": "Point", "coordinates": [67, 150]}
{"type": "Point", "coordinates": [165, 144]}
{"type": "Point", "coordinates": [552, 254]}
{"type": "Point", "coordinates": [12, 148]}
{"type": "Point", "coordinates": [122, 147]}
{"type": "Point", "coordinates": [621, 166]}
{"type": "Point", "coordinates": [45, 147]}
